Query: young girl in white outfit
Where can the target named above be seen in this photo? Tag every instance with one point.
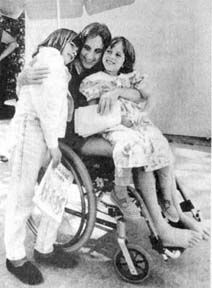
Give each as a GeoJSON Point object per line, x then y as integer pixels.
{"type": "Point", "coordinates": [136, 141]}
{"type": "Point", "coordinates": [39, 122]}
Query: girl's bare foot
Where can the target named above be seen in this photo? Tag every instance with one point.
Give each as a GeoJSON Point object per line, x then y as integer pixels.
{"type": "Point", "coordinates": [179, 237]}
{"type": "Point", "coordinates": [202, 227]}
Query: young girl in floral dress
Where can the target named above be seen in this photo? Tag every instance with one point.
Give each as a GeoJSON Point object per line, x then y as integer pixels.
{"type": "Point", "coordinates": [136, 141]}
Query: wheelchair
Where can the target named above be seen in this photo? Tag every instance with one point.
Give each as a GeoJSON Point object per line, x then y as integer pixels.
{"type": "Point", "coordinates": [87, 208]}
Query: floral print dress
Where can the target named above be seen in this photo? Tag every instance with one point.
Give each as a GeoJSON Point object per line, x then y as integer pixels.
{"type": "Point", "coordinates": [142, 144]}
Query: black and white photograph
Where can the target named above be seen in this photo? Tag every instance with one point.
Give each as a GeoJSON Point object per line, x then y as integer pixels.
{"type": "Point", "coordinates": [105, 143]}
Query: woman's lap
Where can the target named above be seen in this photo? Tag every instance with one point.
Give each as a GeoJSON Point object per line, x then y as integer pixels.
{"type": "Point", "coordinates": [96, 146]}
{"type": "Point", "coordinates": [92, 149]}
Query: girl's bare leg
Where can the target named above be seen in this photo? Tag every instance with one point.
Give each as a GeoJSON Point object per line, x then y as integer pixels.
{"type": "Point", "coordinates": [96, 146]}
{"type": "Point", "coordinates": [164, 178]}
{"type": "Point", "coordinates": [145, 183]}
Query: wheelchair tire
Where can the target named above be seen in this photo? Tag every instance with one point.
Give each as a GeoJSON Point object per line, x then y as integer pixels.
{"type": "Point", "coordinates": [87, 215]}
{"type": "Point", "coordinates": [141, 261]}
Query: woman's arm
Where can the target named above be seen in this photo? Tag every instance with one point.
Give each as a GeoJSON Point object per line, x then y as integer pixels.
{"type": "Point", "coordinates": [136, 92]}
{"type": "Point", "coordinates": [137, 96]}
{"type": "Point", "coordinates": [109, 98]}
{"type": "Point", "coordinates": [11, 44]}
{"type": "Point", "coordinates": [131, 94]}
{"type": "Point", "coordinates": [32, 76]}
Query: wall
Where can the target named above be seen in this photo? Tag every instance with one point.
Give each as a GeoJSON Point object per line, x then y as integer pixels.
{"type": "Point", "coordinates": [172, 41]}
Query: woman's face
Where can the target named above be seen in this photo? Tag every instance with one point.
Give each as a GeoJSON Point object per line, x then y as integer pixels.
{"type": "Point", "coordinates": [91, 52]}
{"type": "Point", "coordinates": [69, 52]}
{"type": "Point", "coordinates": [113, 59]}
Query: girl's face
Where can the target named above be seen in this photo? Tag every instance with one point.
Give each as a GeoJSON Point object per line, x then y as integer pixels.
{"type": "Point", "coordinates": [91, 52]}
{"type": "Point", "coordinates": [113, 59]}
{"type": "Point", "coordinates": [69, 52]}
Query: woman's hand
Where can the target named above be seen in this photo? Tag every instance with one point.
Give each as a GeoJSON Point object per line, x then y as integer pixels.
{"type": "Point", "coordinates": [107, 101]}
{"type": "Point", "coordinates": [56, 156]}
{"type": "Point", "coordinates": [32, 75]}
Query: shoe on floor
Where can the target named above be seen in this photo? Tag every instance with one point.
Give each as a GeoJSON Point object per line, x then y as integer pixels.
{"type": "Point", "coordinates": [27, 273]}
{"type": "Point", "coordinates": [127, 206]}
{"type": "Point", "coordinates": [57, 258]}
{"type": "Point", "coordinates": [170, 212]}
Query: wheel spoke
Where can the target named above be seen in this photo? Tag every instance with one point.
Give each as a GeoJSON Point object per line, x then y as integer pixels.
{"type": "Point", "coordinates": [140, 263]}
{"type": "Point", "coordinates": [73, 237]}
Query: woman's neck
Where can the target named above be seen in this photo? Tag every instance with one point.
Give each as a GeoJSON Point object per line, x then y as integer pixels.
{"type": "Point", "coordinates": [81, 70]}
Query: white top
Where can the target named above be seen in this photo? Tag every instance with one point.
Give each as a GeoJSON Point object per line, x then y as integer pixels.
{"type": "Point", "coordinates": [47, 101]}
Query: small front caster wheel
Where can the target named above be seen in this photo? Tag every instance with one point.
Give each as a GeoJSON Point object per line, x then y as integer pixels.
{"type": "Point", "coordinates": [141, 261]}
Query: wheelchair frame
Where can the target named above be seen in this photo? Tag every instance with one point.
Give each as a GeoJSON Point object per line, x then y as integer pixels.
{"type": "Point", "coordinates": [131, 262]}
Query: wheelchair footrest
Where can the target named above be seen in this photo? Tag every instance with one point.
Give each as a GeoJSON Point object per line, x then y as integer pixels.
{"type": "Point", "coordinates": [166, 252]}
{"type": "Point", "coordinates": [172, 252]}
{"type": "Point", "coordinates": [156, 244]}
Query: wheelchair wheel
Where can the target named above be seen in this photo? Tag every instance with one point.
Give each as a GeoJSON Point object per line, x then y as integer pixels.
{"type": "Point", "coordinates": [141, 261]}
{"type": "Point", "coordinates": [80, 211]}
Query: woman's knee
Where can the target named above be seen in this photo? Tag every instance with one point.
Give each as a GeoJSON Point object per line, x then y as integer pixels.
{"type": "Point", "coordinates": [96, 146]}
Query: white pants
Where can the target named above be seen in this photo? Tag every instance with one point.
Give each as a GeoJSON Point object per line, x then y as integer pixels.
{"type": "Point", "coordinates": [29, 155]}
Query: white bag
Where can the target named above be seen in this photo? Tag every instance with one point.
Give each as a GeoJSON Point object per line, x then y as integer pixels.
{"type": "Point", "coordinates": [89, 122]}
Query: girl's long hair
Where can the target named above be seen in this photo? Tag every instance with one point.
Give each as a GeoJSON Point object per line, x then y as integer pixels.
{"type": "Point", "coordinates": [58, 40]}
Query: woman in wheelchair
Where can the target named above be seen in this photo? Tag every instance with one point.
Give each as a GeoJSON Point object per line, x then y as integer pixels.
{"type": "Point", "coordinates": [95, 38]}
